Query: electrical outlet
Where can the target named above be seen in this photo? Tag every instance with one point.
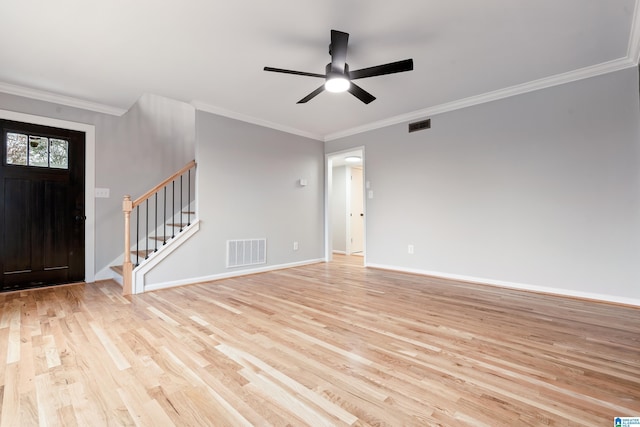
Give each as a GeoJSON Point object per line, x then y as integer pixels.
{"type": "Point", "coordinates": [410, 249]}
{"type": "Point", "coordinates": [295, 246]}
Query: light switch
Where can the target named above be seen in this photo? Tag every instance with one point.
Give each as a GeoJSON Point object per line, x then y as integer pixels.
{"type": "Point", "coordinates": [102, 193]}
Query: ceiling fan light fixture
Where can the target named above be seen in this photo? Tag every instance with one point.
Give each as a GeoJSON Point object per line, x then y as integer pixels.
{"type": "Point", "coordinates": [337, 75]}
{"type": "Point", "coordinates": [337, 84]}
{"type": "Point", "coordinates": [352, 159]}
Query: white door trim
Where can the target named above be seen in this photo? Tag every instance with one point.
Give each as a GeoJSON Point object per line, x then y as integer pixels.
{"type": "Point", "coordinates": [89, 178]}
{"type": "Point", "coordinates": [328, 184]}
{"type": "Point", "coordinates": [352, 216]}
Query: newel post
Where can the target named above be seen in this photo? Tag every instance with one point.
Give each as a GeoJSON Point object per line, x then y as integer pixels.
{"type": "Point", "coordinates": [127, 267]}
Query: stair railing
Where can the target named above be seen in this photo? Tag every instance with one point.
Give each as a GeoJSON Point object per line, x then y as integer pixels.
{"type": "Point", "coordinates": [174, 195]}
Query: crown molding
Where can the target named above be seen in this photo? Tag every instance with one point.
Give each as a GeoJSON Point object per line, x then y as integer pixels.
{"type": "Point", "coordinates": [42, 95]}
{"type": "Point", "coordinates": [559, 79]}
{"type": "Point", "coordinates": [208, 108]}
{"type": "Point", "coordinates": [631, 60]}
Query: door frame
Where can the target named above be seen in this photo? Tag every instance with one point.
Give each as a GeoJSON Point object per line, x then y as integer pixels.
{"type": "Point", "coordinates": [328, 190]}
{"type": "Point", "coordinates": [89, 178]}
{"type": "Point", "coordinates": [350, 212]}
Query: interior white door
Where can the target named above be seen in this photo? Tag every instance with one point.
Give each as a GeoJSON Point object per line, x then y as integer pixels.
{"type": "Point", "coordinates": [357, 211]}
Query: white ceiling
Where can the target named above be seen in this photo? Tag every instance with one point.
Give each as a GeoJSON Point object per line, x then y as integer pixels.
{"type": "Point", "coordinates": [104, 55]}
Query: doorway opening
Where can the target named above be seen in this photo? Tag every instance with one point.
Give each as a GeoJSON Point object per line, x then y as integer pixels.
{"type": "Point", "coordinates": [42, 214]}
{"type": "Point", "coordinates": [89, 178]}
{"type": "Point", "coordinates": [345, 215]}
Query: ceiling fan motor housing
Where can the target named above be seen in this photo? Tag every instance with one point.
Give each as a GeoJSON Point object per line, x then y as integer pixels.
{"type": "Point", "coordinates": [331, 73]}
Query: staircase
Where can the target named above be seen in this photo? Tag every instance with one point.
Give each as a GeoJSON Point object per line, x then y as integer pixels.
{"type": "Point", "coordinates": [154, 222]}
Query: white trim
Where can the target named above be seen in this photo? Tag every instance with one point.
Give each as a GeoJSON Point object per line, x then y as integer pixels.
{"type": "Point", "coordinates": [629, 61]}
{"type": "Point", "coordinates": [633, 50]}
{"type": "Point", "coordinates": [328, 190]}
{"type": "Point", "coordinates": [89, 178]}
{"type": "Point", "coordinates": [202, 106]}
{"type": "Point", "coordinates": [107, 273]}
{"type": "Point", "coordinates": [348, 185]}
{"type": "Point", "coordinates": [137, 284]}
{"type": "Point", "coordinates": [363, 191]}
{"type": "Point", "coordinates": [213, 277]}
{"type": "Point", "coordinates": [559, 79]}
{"type": "Point", "coordinates": [116, 278]}
{"type": "Point", "coordinates": [512, 285]}
{"type": "Point", "coordinates": [42, 95]}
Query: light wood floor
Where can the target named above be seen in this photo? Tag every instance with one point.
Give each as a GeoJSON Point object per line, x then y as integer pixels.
{"type": "Point", "coordinates": [326, 344]}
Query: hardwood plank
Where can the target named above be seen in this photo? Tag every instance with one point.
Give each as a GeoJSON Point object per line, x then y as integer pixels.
{"type": "Point", "coordinates": [116, 356]}
{"type": "Point", "coordinates": [323, 344]}
{"type": "Point", "coordinates": [11, 397]}
{"type": "Point", "coordinates": [13, 344]}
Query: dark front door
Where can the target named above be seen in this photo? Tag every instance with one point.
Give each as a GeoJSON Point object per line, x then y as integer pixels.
{"type": "Point", "coordinates": [42, 214]}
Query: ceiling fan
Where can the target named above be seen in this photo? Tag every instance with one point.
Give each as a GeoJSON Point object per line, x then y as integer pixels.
{"type": "Point", "coordinates": [337, 76]}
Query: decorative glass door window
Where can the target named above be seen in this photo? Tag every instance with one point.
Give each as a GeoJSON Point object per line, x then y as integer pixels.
{"type": "Point", "coordinates": [37, 151]}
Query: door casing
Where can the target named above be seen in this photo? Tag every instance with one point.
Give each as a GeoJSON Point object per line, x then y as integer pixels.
{"type": "Point", "coordinates": [355, 232]}
{"type": "Point", "coordinates": [328, 184]}
{"type": "Point", "coordinates": [89, 179]}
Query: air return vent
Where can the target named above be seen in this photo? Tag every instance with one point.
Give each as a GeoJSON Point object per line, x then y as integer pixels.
{"type": "Point", "coordinates": [416, 126]}
{"type": "Point", "coordinates": [246, 252]}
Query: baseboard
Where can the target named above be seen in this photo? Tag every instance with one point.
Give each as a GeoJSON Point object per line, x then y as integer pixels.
{"type": "Point", "coordinates": [107, 273]}
{"type": "Point", "coordinates": [511, 285]}
{"type": "Point", "coordinates": [118, 279]}
{"type": "Point", "coordinates": [237, 273]}
{"type": "Point", "coordinates": [339, 252]}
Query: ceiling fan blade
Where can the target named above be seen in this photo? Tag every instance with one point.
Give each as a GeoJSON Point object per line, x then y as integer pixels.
{"type": "Point", "coordinates": [298, 73]}
{"type": "Point", "coordinates": [311, 95]}
{"type": "Point", "coordinates": [379, 70]}
{"type": "Point", "coordinates": [360, 93]}
{"type": "Point", "coordinates": [338, 50]}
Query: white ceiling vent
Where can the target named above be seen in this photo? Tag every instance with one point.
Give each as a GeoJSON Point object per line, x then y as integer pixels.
{"type": "Point", "coordinates": [246, 252]}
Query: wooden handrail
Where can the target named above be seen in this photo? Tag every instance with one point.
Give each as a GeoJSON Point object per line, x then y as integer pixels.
{"type": "Point", "coordinates": [127, 207]}
{"type": "Point", "coordinates": [155, 189]}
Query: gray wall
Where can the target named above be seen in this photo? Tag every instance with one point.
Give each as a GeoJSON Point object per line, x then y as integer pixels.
{"type": "Point", "coordinates": [133, 152]}
{"type": "Point", "coordinates": [339, 209]}
{"type": "Point", "coordinates": [248, 187]}
{"type": "Point", "coordinates": [156, 138]}
{"type": "Point", "coordinates": [541, 189]}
